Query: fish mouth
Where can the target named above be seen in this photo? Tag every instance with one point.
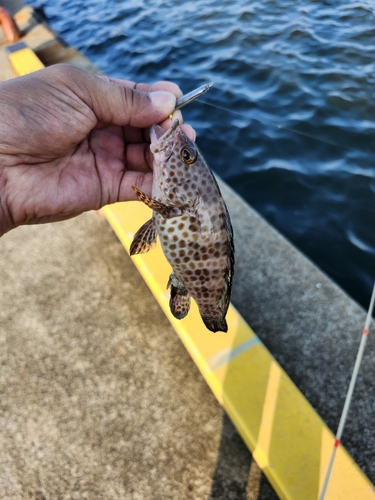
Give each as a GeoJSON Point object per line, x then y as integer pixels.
{"type": "Point", "coordinates": [157, 132]}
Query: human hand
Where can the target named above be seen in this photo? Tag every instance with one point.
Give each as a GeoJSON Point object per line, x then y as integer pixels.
{"type": "Point", "coordinates": [71, 142]}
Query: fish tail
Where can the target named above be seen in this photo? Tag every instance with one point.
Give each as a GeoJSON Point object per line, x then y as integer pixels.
{"type": "Point", "coordinates": [215, 323]}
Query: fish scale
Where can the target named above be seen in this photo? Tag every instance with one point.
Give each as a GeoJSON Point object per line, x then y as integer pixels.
{"type": "Point", "coordinates": [193, 224]}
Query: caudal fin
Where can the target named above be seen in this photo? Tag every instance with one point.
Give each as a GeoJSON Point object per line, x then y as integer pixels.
{"type": "Point", "coordinates": [215, 323]}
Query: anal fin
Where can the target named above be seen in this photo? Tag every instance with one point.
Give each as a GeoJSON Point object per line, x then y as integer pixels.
{"type": "Point", "coordinates": [144, 239]}
{"type": "Point", "coordinates": [179, 303]}
{"type": "Point", "coordinates": [167, 212]}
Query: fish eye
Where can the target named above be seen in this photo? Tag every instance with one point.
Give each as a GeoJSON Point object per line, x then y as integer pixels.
{"type": "Point", "coordinates": [189, 155]}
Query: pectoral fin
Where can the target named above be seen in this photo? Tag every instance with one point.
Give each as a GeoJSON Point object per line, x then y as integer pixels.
{"type": "Point", "coordinates": [179, 303]}
{"type": "Point", "coordinates": [144, 239]}
{"type": "Point", "coordinates": [167, 212]}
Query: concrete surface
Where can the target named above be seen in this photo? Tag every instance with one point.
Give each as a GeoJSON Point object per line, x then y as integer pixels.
{"type": "Point", "coordinates": [99, 399]}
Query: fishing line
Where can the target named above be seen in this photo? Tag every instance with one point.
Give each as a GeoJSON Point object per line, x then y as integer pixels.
{"type": "Point", "coordinates": [278, 126]}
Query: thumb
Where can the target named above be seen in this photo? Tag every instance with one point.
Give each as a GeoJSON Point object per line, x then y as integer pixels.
{"type": "Point", "coordinates": [114, 103]}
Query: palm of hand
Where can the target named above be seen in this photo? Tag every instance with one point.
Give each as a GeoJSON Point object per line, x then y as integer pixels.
{"type": "Point", "coordinates": [87, 174]}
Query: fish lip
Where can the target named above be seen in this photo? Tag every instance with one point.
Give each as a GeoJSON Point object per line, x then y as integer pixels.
{"type": "Point", "coordinates": [157, 132]}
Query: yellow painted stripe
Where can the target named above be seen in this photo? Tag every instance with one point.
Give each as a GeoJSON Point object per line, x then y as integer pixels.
{"type": "Point", "coordinates": [25, 61]}
{"type": "Point", "coordinates": [261, 452]}
{"type": "Point", "coordinates": [289, 440]}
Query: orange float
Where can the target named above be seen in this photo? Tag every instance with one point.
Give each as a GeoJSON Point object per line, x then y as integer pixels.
{"type": "Point", "coordinates": [11, 31]}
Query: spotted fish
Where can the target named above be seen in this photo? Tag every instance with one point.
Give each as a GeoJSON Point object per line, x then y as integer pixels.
{"type": "Point", "coordinates": [193, 224]}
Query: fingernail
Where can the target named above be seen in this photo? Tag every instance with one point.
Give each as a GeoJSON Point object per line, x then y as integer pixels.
{"type": "Point", "coordinates": [163, 100]}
